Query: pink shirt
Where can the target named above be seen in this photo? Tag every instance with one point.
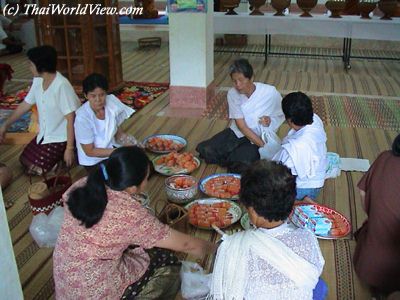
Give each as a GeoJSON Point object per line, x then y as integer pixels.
{"type": "Point", "coordinates": [94, 263]}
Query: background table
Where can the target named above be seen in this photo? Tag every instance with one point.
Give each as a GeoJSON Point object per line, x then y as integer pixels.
{"type": "Point", "coordinates": [347, 27]}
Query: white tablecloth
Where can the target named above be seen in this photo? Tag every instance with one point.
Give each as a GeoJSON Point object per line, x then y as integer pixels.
{"type": "Point", "coordinates": [318, 25]}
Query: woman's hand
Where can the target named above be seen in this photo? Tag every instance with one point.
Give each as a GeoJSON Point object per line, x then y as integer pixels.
{"type": "Point", "coordinates": [254, 138]}
{"type": "Point", "coordinates": [265, 121]}
{"type": "Point", "coordinates": [69, 157]}
{"type": "Point", "coordinates": [22, 108]}
{"type": "Point", "coordinates": [178, 241]}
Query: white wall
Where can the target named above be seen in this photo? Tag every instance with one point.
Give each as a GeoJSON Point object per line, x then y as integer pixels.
{"type": "Point", "coordinates": [10, 286]}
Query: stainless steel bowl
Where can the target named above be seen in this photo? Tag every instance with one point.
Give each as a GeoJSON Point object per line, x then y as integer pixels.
{"type": "Point", "coordinates": [180, 195]}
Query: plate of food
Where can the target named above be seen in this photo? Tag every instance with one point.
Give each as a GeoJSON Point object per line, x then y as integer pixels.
{"type": "Point", "coordinates": [223, 186]}
{"type": "Point", "coordinates": [324, 222]}
{"type": "Point", "coordinates": [164, 143]}
{"type": "Point", "coordinates": [176, 163]}
{"type": "Point", "coordinates": [203, 213]}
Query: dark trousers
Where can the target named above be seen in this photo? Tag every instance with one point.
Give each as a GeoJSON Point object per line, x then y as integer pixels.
{"type": "Point", "coordinates": [226, 148]}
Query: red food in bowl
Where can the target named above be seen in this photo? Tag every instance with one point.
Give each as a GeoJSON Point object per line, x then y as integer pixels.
{"type": "Point", "coordinates": [182, 182]}
{"type": "Point", "coordinates": [179, 161]}
{"type": "Point", "coordinates": [223, 187]}
{"type": "Point", "coordinates": [205, 215]}
{"type": "Point", "coordinates": [162, 144]}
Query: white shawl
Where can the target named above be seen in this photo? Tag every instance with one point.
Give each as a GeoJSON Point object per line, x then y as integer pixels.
{"type": "Point", "coordinates": [307, 148]}
{"type": "Point", "coordinates": [265, 101]}
{"type": "Point", "coordinates": [229, 276]}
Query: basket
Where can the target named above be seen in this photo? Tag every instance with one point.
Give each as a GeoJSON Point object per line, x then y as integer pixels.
{"type": "Point", "coordinates": [46, 195]}
{"type": "Point", "coordinates": [173, 215]}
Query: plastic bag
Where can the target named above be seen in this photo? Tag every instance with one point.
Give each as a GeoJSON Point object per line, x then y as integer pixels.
{"type": "Point", "coordinates": [45, 228]}
{"type": "Point", "coordinates": [195, 284]}
{"type": "Point", "coordinates": [272, 143]}
{"type": "Point", "coordinates": [333, 165]}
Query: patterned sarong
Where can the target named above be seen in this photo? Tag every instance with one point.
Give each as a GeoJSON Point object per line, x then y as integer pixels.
{"type": "Point", "coordinates": [165, 282]}
{"type": "Point", "coordinates": [40, 158]}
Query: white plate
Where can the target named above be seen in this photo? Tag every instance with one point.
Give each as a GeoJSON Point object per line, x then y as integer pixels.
{"type": "Point", "coordinates": [234, 210]}
{"type": "Point", "coordinates": [344, 230]}
{"type": "Point", "coordinates": [176, 138]}
{"type": "Point", "coordinates": [168, 171]}
{"type": "Point", "coordinates": [202, 184]}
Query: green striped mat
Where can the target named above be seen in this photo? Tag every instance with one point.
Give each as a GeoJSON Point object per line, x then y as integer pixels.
{"type": "Point", "coordinates": [342, 111]}
{"type": "Point", "coordinates": [338, 111]}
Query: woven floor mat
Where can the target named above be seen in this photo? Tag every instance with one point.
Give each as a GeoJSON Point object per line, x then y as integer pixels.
{"type": "Point", "coordinates": [35, 264]}
{"type": "Point", "coordinates": [337, 111]}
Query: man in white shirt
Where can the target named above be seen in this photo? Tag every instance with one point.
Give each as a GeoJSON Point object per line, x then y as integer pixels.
{"type": "Point", "coordinates": [250, 103]}
{"type": "Point", "coordinates": [304, 148]}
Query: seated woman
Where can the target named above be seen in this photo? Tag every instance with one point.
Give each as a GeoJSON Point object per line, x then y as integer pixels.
{"type": "Point", "coordinates": [276, 260]}
{"type": "Point", "coordinates": [378, 237]}
{"type": "Point", "coordinates": [100, 251]}
{"type": "Point", "coordinates": [56, 104]}
{"type": "Point", "coordinates": [97, 123]}
{"type": "Point", "coordinates": [8, 43]}
{"type": "Point", "coordinates": [249, 104]}
{"type": "Point", "coordinates": [304, 148]}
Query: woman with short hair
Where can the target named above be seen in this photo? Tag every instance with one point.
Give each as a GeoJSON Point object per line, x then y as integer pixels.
{"type": "Point", "coordinates": [304, 148]}
{"type": "Point", "coordinates": [275, 259]}
{"type": "Point", "coordinates": [251, 105]}
{"type": "Point", "coordinates": [106, 245]}
{"type": "Point", "coordinates": [97, 123]}
{"type": "Point", "coordinates": [56, 103]}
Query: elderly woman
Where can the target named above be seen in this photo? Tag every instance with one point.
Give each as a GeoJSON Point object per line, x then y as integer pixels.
{"type": "Point", "coordinates": [105, 249]}
{"type": "Point", "coordinates": [56, 103]}
{"type": "Point", "coordinates": [97, 123]}
{"type": "Point", "coordinates": [250, 103]}
{"type": "Point", "coordinates": [378, 238]}
{"type": "Point", "coordinates": [304, 148]}
{"type": "Point", "coordinates": [275, 260]}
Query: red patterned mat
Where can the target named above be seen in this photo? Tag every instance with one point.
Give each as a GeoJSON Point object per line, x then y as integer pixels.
{"type": "Point", "coordinates": [338, 111]}
{"type": "Point", "coordinates": [139, 94]}
{"type": "Point", "coordinates": [134, 94]}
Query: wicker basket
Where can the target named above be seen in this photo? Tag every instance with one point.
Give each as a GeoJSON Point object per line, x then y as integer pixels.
{"type": "Point", "coordinates": [173, 215]}
{"type": "Point", "coordinates": [46, 195]}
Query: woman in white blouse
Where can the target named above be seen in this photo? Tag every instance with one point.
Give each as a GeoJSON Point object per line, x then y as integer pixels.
{"type": "Point", "coordinates": [251, 104]}
{"type": "Point", "coordinates": [97, 124]}
{"type": "Point", "coordinates": [56, 102]}
{"type": "Point", "coordinates": [275, 260]}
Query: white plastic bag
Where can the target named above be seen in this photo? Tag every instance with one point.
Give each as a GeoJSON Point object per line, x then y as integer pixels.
{"type": "Point", "coordinates": [45, 228]}
{"type": "Point", "coordinates": [333, 165]}
{"type": "Point", "coordinates": [272, 143]}
{"type": "Point", "coordinates": [195, 284]}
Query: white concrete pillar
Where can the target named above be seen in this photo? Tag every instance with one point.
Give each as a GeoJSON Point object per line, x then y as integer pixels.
{"type": "Point", "coordinates": [191, 52]}
{"type": "Point", "coordinates": [10, 286]}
